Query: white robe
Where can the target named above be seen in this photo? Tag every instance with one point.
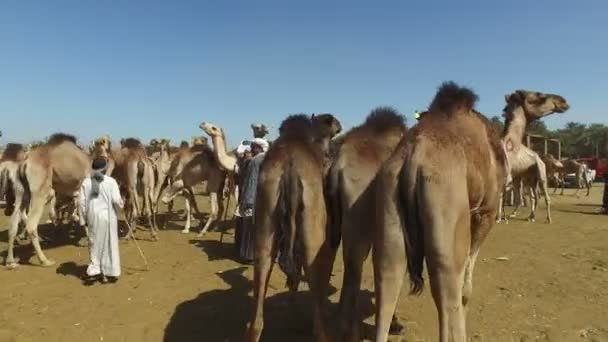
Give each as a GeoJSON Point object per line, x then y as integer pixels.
{"type": "Point", "coordinates": [102, 223]}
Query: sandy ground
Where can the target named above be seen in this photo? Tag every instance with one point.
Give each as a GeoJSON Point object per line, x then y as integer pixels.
{"type": "Point", "coordinates": [553, 287]}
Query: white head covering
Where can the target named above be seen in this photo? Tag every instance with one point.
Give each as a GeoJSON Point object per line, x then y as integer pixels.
{"type": "Point", "coordinates": [262, 143]}
{"type": "Point", "coordinates": [243, 148]}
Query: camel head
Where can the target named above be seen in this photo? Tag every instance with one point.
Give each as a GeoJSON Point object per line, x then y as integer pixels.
{"type": "Point", "coordinates": [211, 129]}
{"type": "Point", "coordinates": [160, 144]}
{"type": "Point", "coordinates": [535, 104]}
{"type": "Point", "coordinates": [259, 130]}
{"type": "Point", "coordinates": [102, 143]}
{"type": "Point", "coordinates": [199, 141]}
{"type": "Point", "coordinates": [325, 125]}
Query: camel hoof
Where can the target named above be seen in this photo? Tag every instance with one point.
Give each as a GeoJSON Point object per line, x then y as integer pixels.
{"type": "Point", "coordinates": [531, 220]}
{"type": "Point", "coordinates": [186, 231]}
{"type": "Point", "coordinates": [47, 263]}
{"type": "Point", "coordinates": [11, 265]}
{"type": "Point", "coordinates": [155, 237]}
{"type": "Point", "coordinates": [201, 234]}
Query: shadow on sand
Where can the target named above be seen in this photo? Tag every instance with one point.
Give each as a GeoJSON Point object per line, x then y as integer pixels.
{"type": "Point", "coordinates": [222, 315]}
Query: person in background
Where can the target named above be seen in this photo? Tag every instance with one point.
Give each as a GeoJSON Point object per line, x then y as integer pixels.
{"type": "Point", "coordinates": [259, 147]}
{"type": "Point", "coordinates": [243, 153]}
{"type": "Point", "coordinates": [100, 202]}
{"type": "Point", "coordinates": [604, 209]}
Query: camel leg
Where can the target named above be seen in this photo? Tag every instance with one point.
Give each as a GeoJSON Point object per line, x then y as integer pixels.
{"type": "Point", "coordinates": [446, 275]}
{"type": "Point", "coordinates": [36, 209]}
{"type": "Point", "coordinates": [389, 265]}
{"type": "Point", "coordinates": [148, 208]}
{"type": "Point", "coordinates": [265, 251]}
{"type": "Point", "coordinates": [545, 190]}
{"type": "Point", "coordinates": [186, 229]}
{"type": "Point", "coordinates": [533, 203]}
{"type": "Point", "coordinates": [480, 227]}
{"type": "Point", "coordinates": [12, 230]}
{"type": "Point", "coordinates": [355, 248]}
{"type": "Point", "coordinates": [213, 198]}
{"type": "Point", "coordinates": [316, 258]}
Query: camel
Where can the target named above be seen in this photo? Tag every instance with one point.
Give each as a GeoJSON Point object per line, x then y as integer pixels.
{"type": "Point", "coordinates": [134, 173]}
{"type": "Point", "coordinates": [290, 215]}
{"type": "Point", "coordinates": [358, 159]}
{"type": "Point", "coordinates": [259, 130]}
{"type": "Point", "coordinates": [529, 174]}
{"type": "Point", "coordinates": [191, 169]}
{"type": "Point", "coordinates": [228, 161]}
{"type": "Point", "coordinates": [554, 168]}
{"type": "Point", "coordinates": [580, 170]}
{"type": "Point", "coordinates": [445, 222]}
{"type": "Point", "coordinates": [521, 108]}
{"type": "Point", "coordinates": [179, 160]}
{"type": "Point", "coordinates": [59, 166]}
{"type": "Point", "coordinates": [161, 160]}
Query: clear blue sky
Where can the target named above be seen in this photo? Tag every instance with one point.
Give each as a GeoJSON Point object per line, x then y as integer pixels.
{"type": "Point", "coordinates": [152, 68]}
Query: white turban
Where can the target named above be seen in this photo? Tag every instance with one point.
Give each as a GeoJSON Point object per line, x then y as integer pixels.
{"type": "Point", "coordinates": [243, 148]}
{"type": "Point", "coordinates": [262, 143]}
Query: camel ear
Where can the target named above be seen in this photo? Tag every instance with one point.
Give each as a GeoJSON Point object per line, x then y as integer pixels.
{"type": "Point", "coordinates": [252, 126]}
{"type": "Point", "coordinates": [312, 116]}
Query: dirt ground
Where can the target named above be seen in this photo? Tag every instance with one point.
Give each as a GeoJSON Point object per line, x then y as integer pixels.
{"type": "Point", "coordinates": [533, 282]}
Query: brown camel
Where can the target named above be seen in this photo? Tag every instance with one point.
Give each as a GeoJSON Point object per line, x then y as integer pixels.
{"type": "Point", "coordinates": [441, 220]}
{"type": "Point", "coordinates": [444, 221]}
{"type": "Point", "coordinates": [191, 169]}
{"type": "Point", "coordinates": [359, 157]}
{"type": "Point", "coordinates": [134, 174]}
{"type": "Point", "coordinates": [11, 157]}
{"type": "Point", "coordinates": [554, 168]}
{"type": "Point", "coordinates": [291, 215]}
{"type": "Point", "coordinates": [59, 166]}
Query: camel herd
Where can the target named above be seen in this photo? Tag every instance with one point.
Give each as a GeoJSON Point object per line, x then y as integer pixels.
{"type": "Point", "coordinates": [430, 194]}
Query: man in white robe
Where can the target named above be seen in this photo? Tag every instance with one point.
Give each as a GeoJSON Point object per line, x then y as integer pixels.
{"type": "Point", "coordinates": [100, 202]}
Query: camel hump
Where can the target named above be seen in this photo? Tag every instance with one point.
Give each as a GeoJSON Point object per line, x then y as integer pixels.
{"type": "Point", "coordinates": [296, 124]}
{"type": "Point", "coordinates": [452, 98]}
{"type": "Point", "coordinates": [384, 118]}
{"type": "Point", "coordinates": [12, 151]}
{"type": "Point", "coordinates": [132, 143]}
{"type": "Point", "coordinates": [59, 138]}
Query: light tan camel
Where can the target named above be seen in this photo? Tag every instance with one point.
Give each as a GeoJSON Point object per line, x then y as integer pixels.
{"type": "Point", "coordinates": [580, 172]}
{"type": "Point", "coordinates": [444, 221]}
{"type": "Point", "coordinates": [179, 160]}
{"type": "Point", "coordinates": [134, 174]}
{"type": "Point", "coordinates": [521, 108]}
{"type": "Point", "coordinates": [59, 166]}
{"type": "Point", "coordinates": [190, 170]}
{"type": "Point", "coordinates": [291, 216]}
{"type": "Point", "coordinates": [528, 180]}
{"type": "Point", "coordinates": [358, 159]}
{"type": "Point", "coordinates": [161, 161]}
{"type": "Point", "coordinates": [259, 130]}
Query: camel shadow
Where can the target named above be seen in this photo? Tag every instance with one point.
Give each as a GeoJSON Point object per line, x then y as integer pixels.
{"type": "Point", "coordinates": [222, 314]}
{"type": "Point", "coordinates": [591, 213]}
{"type": "Point", "coordinates": [51, 237]}
{"type": "Point", "coordinates": [216, 250]}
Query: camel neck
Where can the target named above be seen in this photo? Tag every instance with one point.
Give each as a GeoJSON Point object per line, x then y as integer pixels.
{"type": "Point", "coordinates": [515, 129]}
{"type": "Point", "coordinates": [226, 161]}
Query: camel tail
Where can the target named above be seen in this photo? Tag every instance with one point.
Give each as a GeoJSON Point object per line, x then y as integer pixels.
{"type": "Point", "coordinates": [409, 190]}
{"type": "Point", "coordinates": [27, 193]}
{"type": "Point", "coordinates": [334, 208]}
{"type": "Point", "coordinates": [289, 200]}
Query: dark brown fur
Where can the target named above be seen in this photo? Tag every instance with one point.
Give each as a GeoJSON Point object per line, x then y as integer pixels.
{"type": "Point", "coordinates": [59, 138]}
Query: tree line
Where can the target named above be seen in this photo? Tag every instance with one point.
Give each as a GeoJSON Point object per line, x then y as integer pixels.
{"type": "Point", "coordinates": [578, 140]}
